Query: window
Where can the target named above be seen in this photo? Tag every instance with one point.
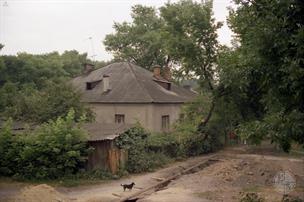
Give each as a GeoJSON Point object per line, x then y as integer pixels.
{"type": "Point", "coordinates": [92, 84]}
{"type": "Point", "coordinates": [165, 122]}
{"type": "Point", "coordinates": [89, 86]}
{"type": "Point", "coordinates": [119, 118]}
{"type": "Point", "coordinates": [164, 84]}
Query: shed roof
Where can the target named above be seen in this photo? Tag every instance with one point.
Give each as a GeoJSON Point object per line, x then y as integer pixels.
{"type": "Point", "coordinates": [102, 131]}
{"type": "Point", "coordinates": [17, 125]}
{"type": "Point", "coordinates": [129, 83]}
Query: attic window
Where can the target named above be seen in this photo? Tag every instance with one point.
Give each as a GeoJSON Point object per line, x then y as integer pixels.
{"type": "Point", "coordinates": [164, 84]}
{"type": "Point", "coordinates": [92, 84]}
{"type": "Point", "coordinates": [168, 86]}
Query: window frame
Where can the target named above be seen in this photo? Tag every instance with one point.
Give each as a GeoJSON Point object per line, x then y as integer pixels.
{"type": "Point", "coordinates": [92, 84]}
{"type": "Point", "coordinates": [119, 118]}
{"type": "Point", "coordinates": [165, 122]}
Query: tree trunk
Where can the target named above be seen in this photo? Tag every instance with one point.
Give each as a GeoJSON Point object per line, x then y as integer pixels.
{"type": "Point", "coordinates": [204, 122]}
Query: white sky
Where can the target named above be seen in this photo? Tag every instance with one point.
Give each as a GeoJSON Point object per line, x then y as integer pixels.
{"type": "Point", "coordinates": [41, 26]}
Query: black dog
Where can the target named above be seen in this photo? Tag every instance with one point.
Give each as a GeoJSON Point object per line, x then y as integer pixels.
{"type": "Point", "coordinates": [128, 186]}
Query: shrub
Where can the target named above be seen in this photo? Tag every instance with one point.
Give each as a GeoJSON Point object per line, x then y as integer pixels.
{"type": "Point", "coordinates": [56, 149]}
{"type": "Point", "coordinates": [189, 142]}
{"type": "Point", "coordinates": [142, 161]}
{"type": "Point", "coordinates": [140, 157]}
{"type": "Point", "coordinates": [197, 145]}
{"type": "Point", "coordinates": [9, 148]}
{"type": "Point", "coordinates": [158, 159]}
{"type": "Point", "coordinates": [168, 144]}
{"type": "Point", "coordinates": [149, 151]}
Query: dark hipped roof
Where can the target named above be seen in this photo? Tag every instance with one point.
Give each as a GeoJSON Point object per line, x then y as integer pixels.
{"type": "Point", "coordinates": [129, 83]}
{"type": "Point", "coordinates": [104, 131]}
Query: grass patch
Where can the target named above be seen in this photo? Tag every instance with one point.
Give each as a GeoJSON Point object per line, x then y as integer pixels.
{"type": "Point", "coordinates": [82, 178]}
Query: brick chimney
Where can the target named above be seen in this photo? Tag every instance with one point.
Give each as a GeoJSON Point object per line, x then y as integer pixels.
{"type": "Point", "coordinates": [106, 83]}
{"type": "Point", "coordinates": [156, 71]}
{"type": "Point", "coordinates": [88, 68]}
{"type": "Point", "coordinates": [167, 73]}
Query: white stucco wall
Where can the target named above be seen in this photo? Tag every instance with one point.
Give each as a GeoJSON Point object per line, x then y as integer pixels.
{"type": "Point", "coordinates": [173, 110]}
{"type": "Point", "coordinates": [149, 115]}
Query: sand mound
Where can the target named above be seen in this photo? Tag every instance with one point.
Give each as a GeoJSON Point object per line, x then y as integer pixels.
{"type": "Point", "coordinates": [40, 193]}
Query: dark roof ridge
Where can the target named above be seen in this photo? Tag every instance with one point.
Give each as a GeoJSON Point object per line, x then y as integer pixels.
{"type": "Point", "coordinates": [136, 78]}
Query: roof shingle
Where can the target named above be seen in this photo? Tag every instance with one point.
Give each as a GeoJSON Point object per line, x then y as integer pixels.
{"type": "Point", "coordinates": [129, 83]}
{"type": "Point", "coordinates": [105, 131]}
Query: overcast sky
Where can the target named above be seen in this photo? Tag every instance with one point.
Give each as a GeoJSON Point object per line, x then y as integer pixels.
{"type": "Point", "coordinates": [41, 26]}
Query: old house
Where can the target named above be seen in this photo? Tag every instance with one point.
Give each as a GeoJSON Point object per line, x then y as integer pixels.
{"type": "Point", "coordinates": [124, 93]}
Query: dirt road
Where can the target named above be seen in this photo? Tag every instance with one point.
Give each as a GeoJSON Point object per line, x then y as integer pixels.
{"type": "Point", "coordinates": [104, 192]}
{"type": "Point", "coordinates": [238, 171]}
{"type": "Point", "coordinates": [231, 178]}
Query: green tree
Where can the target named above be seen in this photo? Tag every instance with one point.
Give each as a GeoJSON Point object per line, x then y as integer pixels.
{"type": "Point", "coordinates": [139, 41]}
{"type": "Point", "coordinates": [191, 39]}
{"type": "Point", "coordinates": [39, 106]}
{"type": "Point", "coordinates": [29, 68]}
{"type": "Point", "coordinates": [183, 33]}
{"type": "Point", "coordinates": [271, 36]}
{"type": "Point", "coordinates": [34, 88]}
{"type": "Point", "coordinates": [55, 149]}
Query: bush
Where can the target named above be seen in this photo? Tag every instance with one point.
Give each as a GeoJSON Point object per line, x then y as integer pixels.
{"type": "Point", "coordinates": [149, 151]}
{"type": "Point", "coordinates": [140, 157]}
{"type": "Point", "coordinates": [167, 144]}
{"type": "Point", "coordinates": [54, 150]}
{"type": "Point", "coordinates": [9, 150]}
{"type": "Point", "coordinates": [189, 142]}
{"type": "Point", "coordinates": [196, 145]}
{"type": "Point", "coordinates": [142, 161]}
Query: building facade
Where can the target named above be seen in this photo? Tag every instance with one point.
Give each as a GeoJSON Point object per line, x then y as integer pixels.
{"type": "Point", "coordinates": [124, 93]}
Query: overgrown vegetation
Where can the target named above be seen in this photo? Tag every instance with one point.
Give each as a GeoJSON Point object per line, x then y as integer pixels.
{"type": "Point", "coordinates": [30, 104]}
{"type": "Point", "coordinates": [140, 158]}
{"type": "Point", "coordinates": [255, 88]}
{"type": "Point", "coordinates": [35, 88]}
{"type": "Point", "coordinates": [148, 151]}
{"type": "Point", "coordinates": [269, 64]}
{"type": "Point", "coordinates": [55, 149]}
